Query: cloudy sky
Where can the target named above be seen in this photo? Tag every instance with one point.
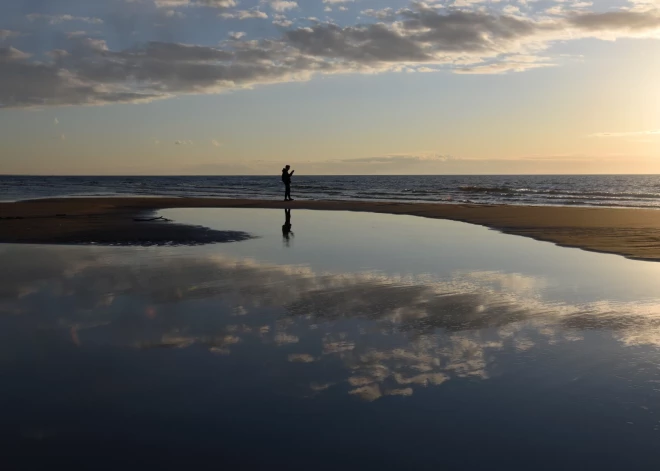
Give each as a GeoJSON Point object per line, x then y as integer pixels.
{"type": "Point", "coordinates": [329, 86]}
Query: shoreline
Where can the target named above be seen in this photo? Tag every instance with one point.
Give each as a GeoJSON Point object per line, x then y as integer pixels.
{"type": "Point", "coordinates": [630, 232]}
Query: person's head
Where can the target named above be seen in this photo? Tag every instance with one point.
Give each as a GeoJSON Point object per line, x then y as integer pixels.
{"type": "Point", "coordinates": [288, 167]}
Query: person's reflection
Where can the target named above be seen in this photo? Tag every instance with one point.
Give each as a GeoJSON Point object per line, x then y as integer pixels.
{"type": "Point", "coordinates": [286, 228]}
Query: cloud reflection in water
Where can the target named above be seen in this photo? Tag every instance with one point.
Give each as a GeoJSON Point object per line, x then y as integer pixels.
{"type": "Point", "coordinates": [389, 333]}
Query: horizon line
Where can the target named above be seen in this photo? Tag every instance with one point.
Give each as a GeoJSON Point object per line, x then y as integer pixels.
{"type": "Point", "coordinates": [326, 175]}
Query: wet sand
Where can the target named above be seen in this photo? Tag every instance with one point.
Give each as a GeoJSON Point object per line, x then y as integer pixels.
{"type": "Point", "coordinates": [633, 233]}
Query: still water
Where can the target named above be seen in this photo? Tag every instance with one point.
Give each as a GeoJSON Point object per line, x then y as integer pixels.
{"type": "Point", "coordinates": [356, 341]}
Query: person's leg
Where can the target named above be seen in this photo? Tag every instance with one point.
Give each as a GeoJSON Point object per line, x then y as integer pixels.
{"type": "Point", "coordinates": [287, 193]}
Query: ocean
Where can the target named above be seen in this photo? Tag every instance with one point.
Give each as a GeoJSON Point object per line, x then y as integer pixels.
{"type": "Point", "coordinates": [557, 190]}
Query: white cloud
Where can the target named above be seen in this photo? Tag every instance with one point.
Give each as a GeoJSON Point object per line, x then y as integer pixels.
{"type": "Point", "coordinates": [11, 54]}
{"type": "Point", "coordinates": [281, 5]}
{"type": "Point", "coordinates": [283, 338]}
{"type": "Point", "coordinates": [175, 14]}
{"type": "Point", "coordinates": [7, 34]}
{"type": "Point", "coordinates": [56, 19]}
{"type": "Point", "coordinates": [502, 67]}
{"type": "Point", "coordinates": [401, 158]}
{"type": "Point", "coordinates": [419, 38]}
{"type": "Point", "coordinates": [196, 3]}
{"type": "Point", "coordinates": [283, 21]}
{"type": "Point", "coordinates": [644, 5]}
{"type": "Point", "coordinates": [383, 14]}
{"type": "Point", "coordinates": [367, 393]}
{"type": "Point", "coordinates": [653, 132]}
{"type": "Point", "coordinates": [245, 15]}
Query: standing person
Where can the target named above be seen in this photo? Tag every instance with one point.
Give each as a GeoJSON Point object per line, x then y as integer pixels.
{"type": "Point", "coordinates": [286, 179]}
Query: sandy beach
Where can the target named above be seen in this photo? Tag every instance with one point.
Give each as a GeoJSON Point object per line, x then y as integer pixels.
{"type": "Point", "coordinates": [633, 233]}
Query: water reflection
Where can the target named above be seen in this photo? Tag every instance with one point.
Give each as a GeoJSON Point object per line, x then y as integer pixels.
{"type": "Point", "coordinates": [287, 234]}
{"type": "Point", "coordinates": [379, 334]}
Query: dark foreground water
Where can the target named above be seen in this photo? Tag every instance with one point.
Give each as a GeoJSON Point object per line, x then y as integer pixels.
{"type": "Point", "coordinates": [356, 342]}
{"type": "Point", "coordinates": [563, 190]}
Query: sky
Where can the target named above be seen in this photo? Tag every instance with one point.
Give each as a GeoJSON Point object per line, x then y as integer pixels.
{"type": "Point", "coordinates": [230, 87]}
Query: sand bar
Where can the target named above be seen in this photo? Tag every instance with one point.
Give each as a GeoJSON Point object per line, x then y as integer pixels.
{"type": "Point", "coordinates": [633, 233]}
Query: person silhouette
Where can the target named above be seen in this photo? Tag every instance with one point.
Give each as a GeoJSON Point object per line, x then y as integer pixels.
{"type": "Point", "coordinates": [286, 179]}
{"type": "Point", "coordinates": [286, 228]}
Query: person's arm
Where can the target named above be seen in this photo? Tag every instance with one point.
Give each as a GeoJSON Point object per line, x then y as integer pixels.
{"type": "Point", "coordinates": [291, 174]}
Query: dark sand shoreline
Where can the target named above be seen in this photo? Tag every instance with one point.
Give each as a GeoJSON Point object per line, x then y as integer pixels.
{"type": "Point", "coordinates": [632, 233]}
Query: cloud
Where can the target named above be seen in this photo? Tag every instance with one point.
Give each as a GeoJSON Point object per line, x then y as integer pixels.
{"type": "Point", "coordinates": [283, 338]}
{"type": "Point", "coordinates": [175, 14]}
{"type": "Point", "coordinates": [385, 14]}
{"type": "Point", "coordinates": [401, 158]}
{"type": "Point", "coordinates": [7, 34]}
{"type": "Point", "coordinates": [503, 67]}
{"type": "Point", "coordinates": [56, 19]}
{"type": "Point", "coordinates": [183, 143]}
{"type": "Point", "coordinates": [196, 3]}
{"type": "Point", "coordinates": [215, 143]}
{"type": "Point", "coordinates": [301, 358]}
{"type": "Point", "coordinates": [10, 54]}
{"type": "Point", "coordinates": [399, 392]}
{"type": "Point", "coordinates": [654, 132]}
{"type": "Point", "coordinates": [56, 121]}
{"type": "Point", "coordinates": [616, 21]}
{"type": "Point", "coordinates": [644, 5]}
{"type": "Point", "coordinates": [245, 15]}
{"type": "Point", "coordinates": [283, 21]}
{"type": "Point", "coordinates": [367, 393]}
{"type": "Point", "coordinates": [418, 38]}
{"type": "Point", "coordinates": [281, 5]}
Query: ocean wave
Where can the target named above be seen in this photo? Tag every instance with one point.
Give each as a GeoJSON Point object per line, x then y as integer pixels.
{"type": "Point", "coordinates": [399, 197]}
{"type": "Point", "coordinates": [315, 187]}
{"type": "Point", "coordinates": [486, 189]}
{"type": "Point", "coordinates": [423, 192]}
{"type": "Point", "coordinates": [561, 193]}
{"type": "Point", "coordinates": [588, 191]}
